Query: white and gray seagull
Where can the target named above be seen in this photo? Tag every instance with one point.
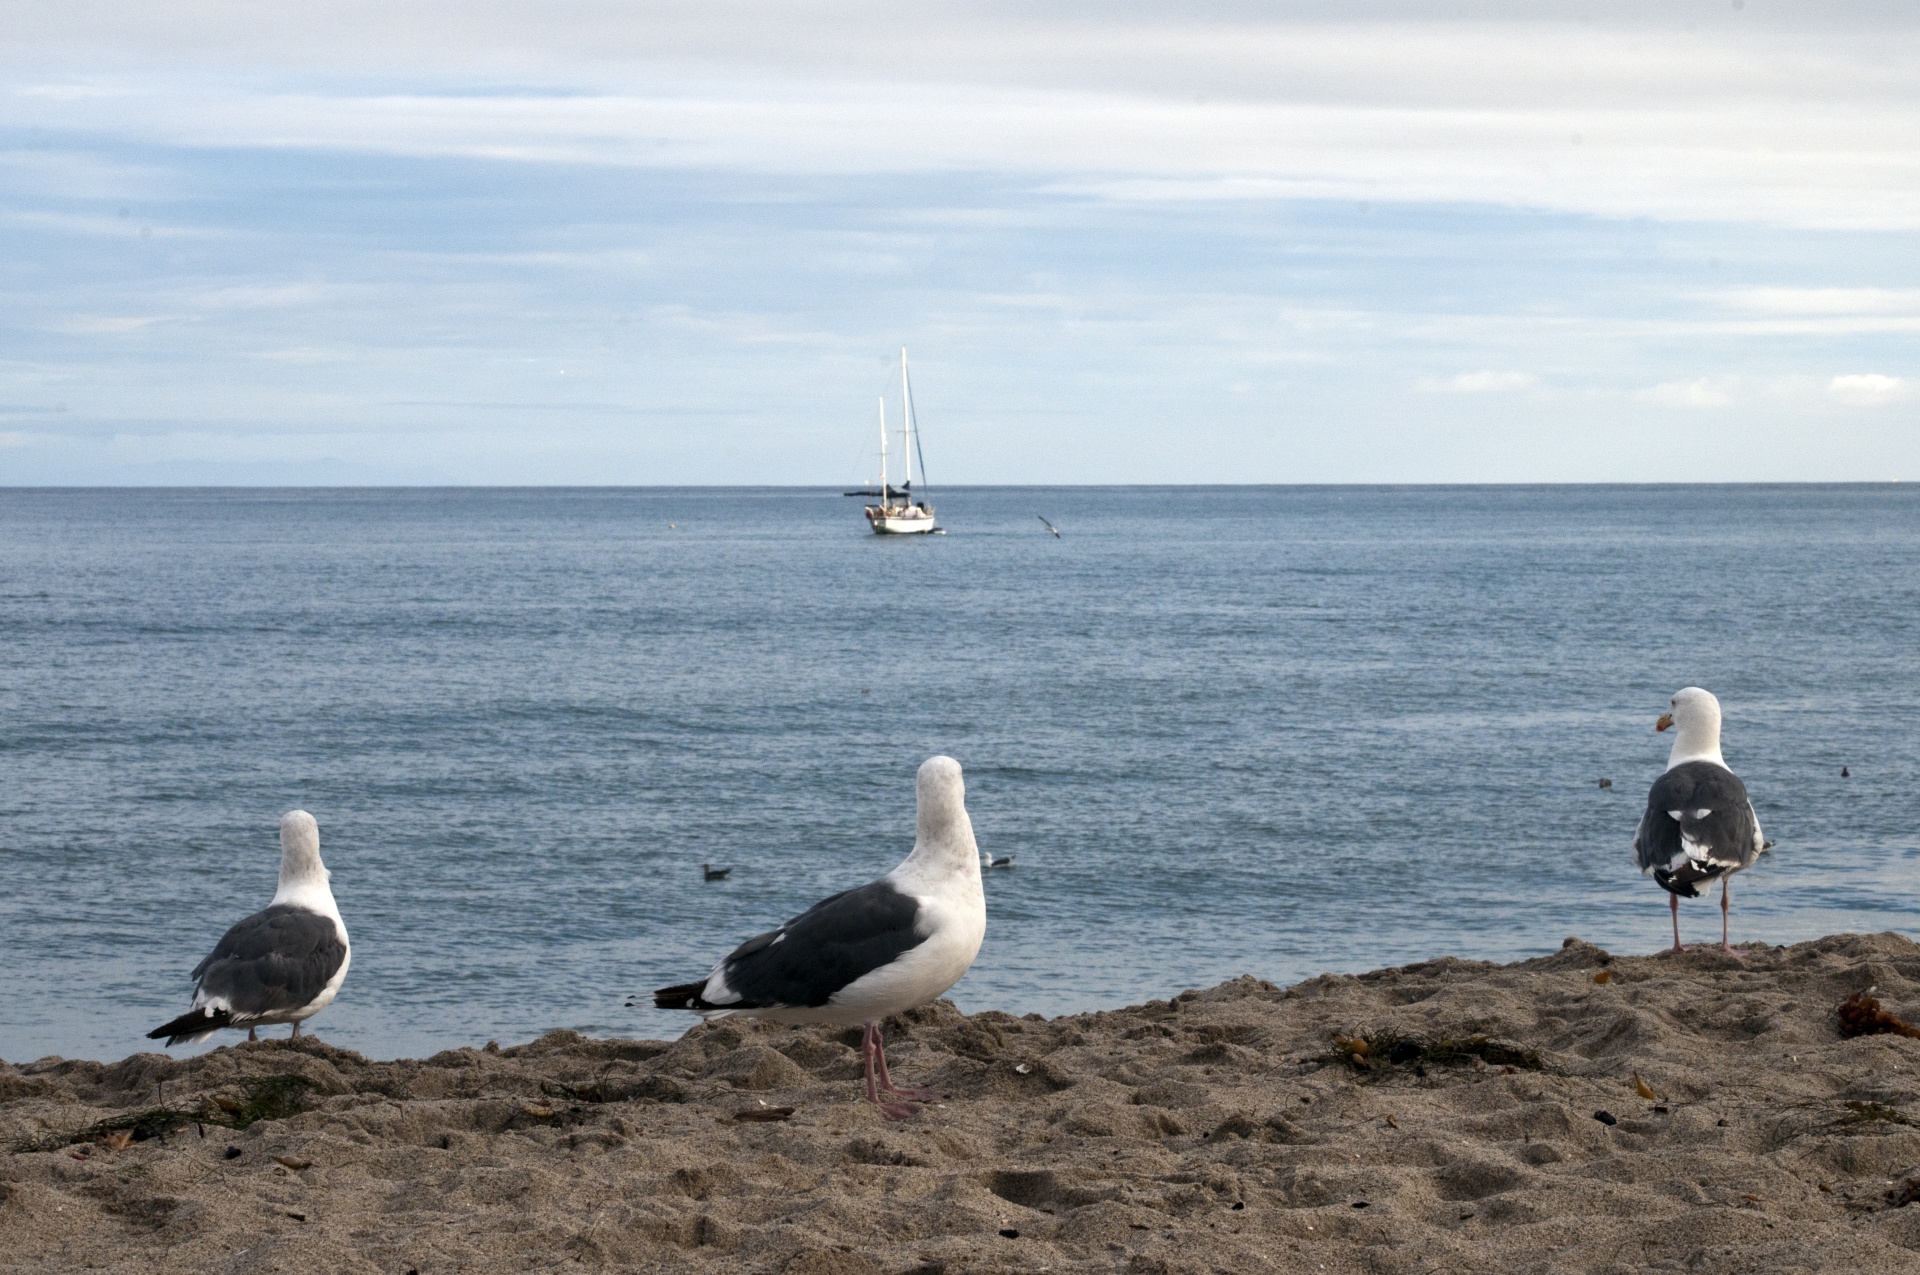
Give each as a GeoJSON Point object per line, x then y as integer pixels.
{"type": "Point", "coordinates": [863, 954]}
{"type": "Point", "coordinates": [281, 965]}
{"type": "Point", "coordinates": [1699, 824]}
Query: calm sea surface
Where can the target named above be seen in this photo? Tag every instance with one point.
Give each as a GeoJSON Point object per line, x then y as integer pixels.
{"type": "Point", "coordinates": [1266, 730]}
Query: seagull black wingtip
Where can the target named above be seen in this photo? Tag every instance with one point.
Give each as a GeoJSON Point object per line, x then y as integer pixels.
{"type": "Point", "coordinates": [684, 996]}
{"type": "Point", "coordinates": [191, 1023]}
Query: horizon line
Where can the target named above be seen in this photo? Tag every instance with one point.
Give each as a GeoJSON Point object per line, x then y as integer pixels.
{"type": "Point", "coordinates": [836, 490]}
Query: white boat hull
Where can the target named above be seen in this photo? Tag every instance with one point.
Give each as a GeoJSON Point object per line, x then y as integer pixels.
{"type": "Point", "coordinates": [908, 520]}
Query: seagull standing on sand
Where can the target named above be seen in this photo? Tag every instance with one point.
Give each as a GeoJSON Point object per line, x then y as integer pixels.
{"type": "Point", "coordinates": [281, 965]}
{"type": "Point", "coordinates": [1699, 823]}
{"type": "Point", "coordinates": [864, 954]}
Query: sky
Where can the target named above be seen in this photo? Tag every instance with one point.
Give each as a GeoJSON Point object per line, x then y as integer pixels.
{"type": "Point", "coordinates": [591, 242]}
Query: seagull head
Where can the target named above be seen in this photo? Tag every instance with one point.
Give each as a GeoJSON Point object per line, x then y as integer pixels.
{"type": "Point", "coordinates": [1694, 717]}
{"type": "Point", "coordinates": [942, 800]}
{"type": "Point", "coordinates": [1691, 709]}
{"type": "Point", "coordinates": [300, 848]}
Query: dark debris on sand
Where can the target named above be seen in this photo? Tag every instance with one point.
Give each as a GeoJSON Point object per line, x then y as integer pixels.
{"type": "Point", "coordinates": [1222, 1131]}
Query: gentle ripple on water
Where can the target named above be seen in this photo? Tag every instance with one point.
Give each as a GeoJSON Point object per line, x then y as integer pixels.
{"type": "Point", "coordinates": [1268, 730]}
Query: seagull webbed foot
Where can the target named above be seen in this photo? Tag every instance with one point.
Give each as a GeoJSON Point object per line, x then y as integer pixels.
{"type": "Point", "coordinates": [898, 1110]}
{"type": "Point", "coordinates": [915, 1095]}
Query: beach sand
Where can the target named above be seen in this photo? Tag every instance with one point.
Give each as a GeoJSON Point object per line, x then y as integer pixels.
{"type": "Point", "coordinates": [1221, 1131]}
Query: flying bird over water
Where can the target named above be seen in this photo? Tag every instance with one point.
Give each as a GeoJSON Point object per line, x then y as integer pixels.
{"type": "Point", "coordinates": [281, 965]}
{"type": "Point", "coordinates": [860, 955]}
{"type": "Point", "coordinates": [1050, 527]}
{"type": "Point", "coordinates": [1699, 825]}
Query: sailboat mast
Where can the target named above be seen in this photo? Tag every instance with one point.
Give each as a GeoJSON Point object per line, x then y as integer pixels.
{"type": "Point", "coordinates": [883, 451]}
{"type": "Point", "coordinates": [906, 426]}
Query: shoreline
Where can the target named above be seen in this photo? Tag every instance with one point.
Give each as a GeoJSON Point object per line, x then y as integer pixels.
{"type": "Point", "coordinates": [1223, 1130]}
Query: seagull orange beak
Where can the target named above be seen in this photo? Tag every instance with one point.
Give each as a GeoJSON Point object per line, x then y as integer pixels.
{"type": "Point", "coordinates": [1666, 720]}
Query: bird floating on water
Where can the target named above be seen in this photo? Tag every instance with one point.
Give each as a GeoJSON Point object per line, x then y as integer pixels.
{"type": "Point", "coordinates": [988, 861]}
{"type": "Point", "coordinates": [1050, 527]}
{"type": "Point", "coordinates": [281, 965]}
{"type": "Point", "coordinates": [1845, 773]}
{"type": "Point", "coordinates": [710, 873]}
{"type": "Point", "coordinates": [1699, 824]}
{"type": "Point", "coordinates": [1606, 783]}
{"type": "Point", "coordinates": [858, 956]}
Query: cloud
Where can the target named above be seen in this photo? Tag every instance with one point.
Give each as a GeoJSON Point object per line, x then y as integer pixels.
{"type": "Point", "coordinates": [1802, 118]}
{"type": "Point", "coordinates": [1477, 383]}
{"type": "Point", "coordinates": [1821, 301]}
{"type": "Point", "coordinates": [1705, 392]}
{"type": "Point", "coordinates": [1866, 389]}
{"type": "Point", "coordinates": [101, 324]}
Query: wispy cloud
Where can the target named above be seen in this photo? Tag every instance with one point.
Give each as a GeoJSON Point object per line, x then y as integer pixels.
{"type": "Point", "coordinates": [102, 324]}
{"type": "Point", "coordinates": [1868, 389]}
{"type": "Point", "coordinates": [1799, 118]}
{"type": "Point", "coordinates": [1705, 392]}
{"type": "Point", "coordinates": [1820, 301]}
{"type": "Point", "coordinates": [1477, 383]}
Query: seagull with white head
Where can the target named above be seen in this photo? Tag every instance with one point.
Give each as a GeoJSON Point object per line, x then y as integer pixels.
{"type": "Point", "coordinates": [283, 964]}
{"type": "Point", "coordinates": [1699, 824]}
{"type": "Point", "coordinates": [861, 955]}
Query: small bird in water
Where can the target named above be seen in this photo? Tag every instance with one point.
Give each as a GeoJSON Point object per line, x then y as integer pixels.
{"type": "Point", "coordinates": [1845, 773]}
{"type": "Point", "coordinates": [1050, 527]}
{"type": "Point", "coordinates": [711, 873]}
{"type": "Point", "coordinates": [1606, 783]}
{"type": "Point", "coordinates": [988, 861]}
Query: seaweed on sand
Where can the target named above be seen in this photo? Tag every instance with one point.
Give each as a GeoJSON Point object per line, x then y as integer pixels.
{"type": "Point", "coordinates": [1381, 1050]}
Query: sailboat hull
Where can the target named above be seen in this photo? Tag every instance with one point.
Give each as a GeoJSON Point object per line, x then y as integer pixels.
{"type": "Point", "coordinates": [900, 520]}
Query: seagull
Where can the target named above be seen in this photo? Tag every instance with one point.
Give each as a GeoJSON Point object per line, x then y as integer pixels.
{"type": "Point", "coordinates": [1699, 823]}
{"type": "Point", "coordinates": [281, 965]}
{"type": "Point", "coordinates": [710, 873]}
{"type": "Point", "coordinates": [863, 954]}
{"type": "Point", "coordinates": [1050, 527]}
{"type": "Point", "coordinates": [1606, 783]}
{"type": "Point", "coordinates": [988, 861]}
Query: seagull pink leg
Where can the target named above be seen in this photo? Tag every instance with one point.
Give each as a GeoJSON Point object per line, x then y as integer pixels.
{"type": "Point", "coordinates": [870, 1047]}
{"type": "Point", "coordinates": [886, 1081]}
{"type": "Point", "coordinates": [1726, 885]}
{"type": "Point", "coordinates": [1673, 901]}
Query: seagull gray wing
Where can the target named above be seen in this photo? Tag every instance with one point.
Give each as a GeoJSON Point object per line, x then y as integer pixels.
{"type": "Point", "coordinates": [1698, 825]}
{"type": "Point", "coordinates": [274, 962]}
{"type": "Point", "coordinates": [803, 963]}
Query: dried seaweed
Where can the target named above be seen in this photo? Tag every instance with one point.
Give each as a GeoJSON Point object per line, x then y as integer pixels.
{"type": "Point", "coordinates": [1374, 1050]}
{"type": "Point", "coordinates": [1861, 1015]}
{"type": "Point", "coordinates": [135, 1126]}
{"type": "Point", "coordinates": [1862, 1113]}
{"type": "Point", "coordinates": [267, 1098]}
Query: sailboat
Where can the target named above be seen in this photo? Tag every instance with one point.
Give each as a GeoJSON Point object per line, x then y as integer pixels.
{"type": "Point", "coordinates": [899, 513]}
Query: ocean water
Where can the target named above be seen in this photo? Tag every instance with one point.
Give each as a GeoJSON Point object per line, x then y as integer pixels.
{"type": "Point", "coordinates": [1275, 731]}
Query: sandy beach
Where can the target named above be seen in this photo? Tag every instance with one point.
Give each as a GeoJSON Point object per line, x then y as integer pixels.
{"type": "Point", "coordinates": [1578, 1112]}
